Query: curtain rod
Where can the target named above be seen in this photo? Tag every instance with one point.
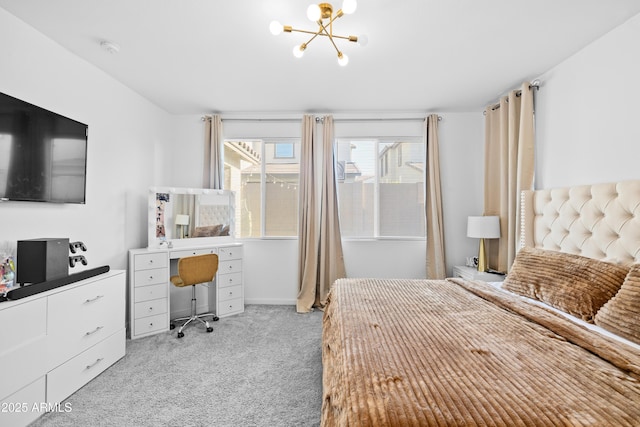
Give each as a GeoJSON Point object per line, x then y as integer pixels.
{"type": "Point", "coordinates": [203, 118]}
{"type": "Point", "coordinates": [320, 119]}
{"type": "Point", "coordinates": [534, 85]}
{"type": "Point", "coordinates": [392, 119]}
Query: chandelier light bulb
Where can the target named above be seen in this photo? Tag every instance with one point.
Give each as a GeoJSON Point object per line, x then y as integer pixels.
{"type": "Point", "coordinates": [275, 27]}
{"type": "Point", "coordinates": [363, 40]}
{"type": "Point", "coordinates": [314, 13]}
{"type": "Point", "coordinates": [342, 59]}
{"type": "Point", "coordinates": [298, 51]}
{"type": "Point", "coordinates": [349, 6]}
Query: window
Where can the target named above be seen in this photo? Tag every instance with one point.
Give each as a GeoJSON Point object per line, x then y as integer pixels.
{"type": "Point", "coordinates": [264, 174]}
{"type": "Point", "coordinates": [381, 187]}
{"type": "Point", "coordinates": [284, 150]}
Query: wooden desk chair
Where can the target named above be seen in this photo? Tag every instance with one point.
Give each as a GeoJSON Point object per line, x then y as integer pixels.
{"type": "Point", "coordinates": [192, 271]}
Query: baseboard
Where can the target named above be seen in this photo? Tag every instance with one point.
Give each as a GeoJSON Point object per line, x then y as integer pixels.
{"type": "Point", "coordinates": [270, 301]}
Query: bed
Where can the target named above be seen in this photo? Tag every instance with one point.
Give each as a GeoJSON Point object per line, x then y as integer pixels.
{"type": "Point", "coordinates": [558, 343]}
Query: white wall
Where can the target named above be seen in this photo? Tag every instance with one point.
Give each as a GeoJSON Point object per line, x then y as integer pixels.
{"type": "Point", "coordinates": [588, 113]}
{"type": "Point", "coordinates": [127, 140]}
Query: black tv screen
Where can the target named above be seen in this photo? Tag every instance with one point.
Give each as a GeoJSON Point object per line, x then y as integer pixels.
{"type": "Point", "coordinates": [43, 155]}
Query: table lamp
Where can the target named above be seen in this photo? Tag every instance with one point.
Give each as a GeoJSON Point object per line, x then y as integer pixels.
{"type": "Point", "coordinates": [483, 227]}
{"type": "Point", "coordinates": [181, 222]}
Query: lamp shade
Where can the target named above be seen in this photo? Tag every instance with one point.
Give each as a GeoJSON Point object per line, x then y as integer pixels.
{"type": "Point", "coordinates": [483, 227]}
{"type": "Point", "coordinates": [182, 219]}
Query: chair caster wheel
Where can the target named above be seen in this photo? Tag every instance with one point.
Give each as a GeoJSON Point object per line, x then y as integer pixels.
{"type": "Point", "coordinates": [215, 318]}
{"type": "Point", "coordinates": [209, 329]}
{"type": "Point", "coordinates": [180, 334]}
{"type": "Point", "coordinates": [172, 326]}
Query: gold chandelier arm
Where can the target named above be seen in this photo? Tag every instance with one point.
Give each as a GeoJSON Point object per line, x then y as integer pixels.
{"type": "Point", "coordinates": [320, 33]}
{"type": "Point", "coordinates": [328, 34]}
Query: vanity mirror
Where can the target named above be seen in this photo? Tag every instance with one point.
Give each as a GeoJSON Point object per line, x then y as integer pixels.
{"type": "Point", "coordinates": [190, 216]}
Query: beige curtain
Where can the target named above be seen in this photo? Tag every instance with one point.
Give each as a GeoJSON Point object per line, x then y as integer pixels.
{"type": "Point", "coordinates": [436, 266]}
{"type": "Point", "coordinates": [509, 169]}
{"type": "Point", "coordinates": [213, 171]}
{"type": "Point", "coordinates": [321, 259]}
{"type": "Point", "coordinates": [307, 226]}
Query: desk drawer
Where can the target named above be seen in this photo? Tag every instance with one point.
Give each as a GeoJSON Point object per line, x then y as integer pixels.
{"type": "Point", "coordinates": [150, 277]}
{"type": "Point", "coordinates": [232, 279]}
{"type": "Point", "coordinates": [230, 306]}
{"type": "Point", "coordinates": [191, 252]}
{"type": "Point", "coordinates": [233, 266]}
{"type": "Point", "coordinates": [230, 252]}
{"type": "Point", "coordinates": [146, 293]}
{"type": "Point", "coordinates": [145, 325]}
{"type": "Point", "coordinates": [150, 308]}
{"type": "Point", "coordinates": [149, 261]}
{"type": "Point", "coordinates": [230, 292]}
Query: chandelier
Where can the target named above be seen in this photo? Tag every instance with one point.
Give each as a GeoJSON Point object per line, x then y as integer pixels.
{"type": "Point", "coordinates": [322, 14]}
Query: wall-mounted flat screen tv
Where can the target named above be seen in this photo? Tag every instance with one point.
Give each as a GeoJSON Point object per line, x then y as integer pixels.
{"type": "Point", "coordinates": [43, 155]}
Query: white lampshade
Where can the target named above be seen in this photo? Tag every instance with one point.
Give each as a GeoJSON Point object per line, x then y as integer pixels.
{"type": "Point", "coordinates": [483, 227]}
{"type": "Point", "coordinates": [182, 219]}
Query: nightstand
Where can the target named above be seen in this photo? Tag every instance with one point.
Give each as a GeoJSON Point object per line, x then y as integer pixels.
{"type": "Point", "coordinates": [472, 273]}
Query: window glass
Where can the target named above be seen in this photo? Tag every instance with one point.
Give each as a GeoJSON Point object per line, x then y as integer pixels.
{"type": "Point", "coordinates": [265, 181]}
{"type": "Point", "coordinates": [381, 187]}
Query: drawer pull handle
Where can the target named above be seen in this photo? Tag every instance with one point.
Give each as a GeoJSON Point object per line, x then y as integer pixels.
{"type": "Point", "coordinates": [94, 331]}
{"type": "Point", "coordinates": [150, 277]}
{"type": "Point", "coordinates": [230, 293]}
{"type": "Point", "coordinates": [94, 299]}
{"type": "Point", "coordinates": [95, 363]}
{"type": "Point", "coordinates": [150, 261]}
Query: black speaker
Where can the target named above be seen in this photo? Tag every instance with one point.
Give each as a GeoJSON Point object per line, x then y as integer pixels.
{"type": "Point", "coordinates": [39, 260]}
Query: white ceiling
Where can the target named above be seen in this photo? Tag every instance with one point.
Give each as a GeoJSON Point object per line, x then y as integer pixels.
{"type": "Point", "coordinates": [199, 56]}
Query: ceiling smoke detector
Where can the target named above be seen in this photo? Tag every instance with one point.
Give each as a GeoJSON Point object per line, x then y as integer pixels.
{"type": "Point", "coordinates": [110, 46]}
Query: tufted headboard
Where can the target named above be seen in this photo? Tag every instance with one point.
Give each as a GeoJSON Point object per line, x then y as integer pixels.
{"type": "Point", "coordinates": [599, 221]}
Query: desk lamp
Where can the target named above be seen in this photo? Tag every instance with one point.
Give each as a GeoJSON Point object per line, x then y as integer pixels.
{"type": "Point", "coordinates": [181, 222]}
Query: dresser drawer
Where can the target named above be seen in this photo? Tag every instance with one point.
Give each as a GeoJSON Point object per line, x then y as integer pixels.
{"type": "Point", "coordinates": [20, 404]}
{"type": "Point", "coordinates": [81, 317]}
{"type": "Point", "coordinates": [69, 377]}
{"type": "Point", "coordinates": [230, 252]}
{"type": "Point", "coordinates": [233, 266]}
{"type": "Point", "coordinates": [146, 293]}
{"type": "Point", "coordinates": [32, 320]}
{"type": "Point", "coordinates": [149, 324]}
{"type": "Point", "coordinates": [150, 308]}
{"type": "Point", "coordinates": [150, 277]}
{"type": "Point", "coordinates": [191, 252]}
{"type": "Point", "coordinates": [232, 279]}
{"type": "Point", "coordinates": [24, 365]}
{"type": "Point", "coordinates": [149, 261]}
{"type": "Point", "coordinates": [230, 306]}
{"type": "Point", "coordinates": [229, 292]}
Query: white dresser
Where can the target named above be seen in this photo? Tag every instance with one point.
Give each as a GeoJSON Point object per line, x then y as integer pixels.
{"type": "Point", "coordinates": [149, 285]}
{"type": "Point", "coordinates": [54, 342]}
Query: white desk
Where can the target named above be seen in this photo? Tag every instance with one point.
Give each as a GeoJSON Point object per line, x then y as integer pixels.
{"type": "Point", "coordinates": [149, 285]}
